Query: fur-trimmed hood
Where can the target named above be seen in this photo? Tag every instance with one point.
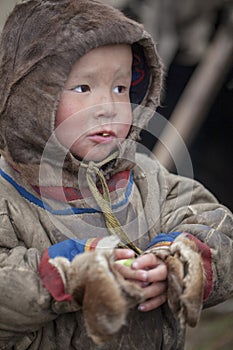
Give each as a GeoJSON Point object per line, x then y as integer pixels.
{"type": "Point", "coordinates": [40, 42]}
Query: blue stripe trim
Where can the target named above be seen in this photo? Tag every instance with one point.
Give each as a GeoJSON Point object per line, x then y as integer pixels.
{"type": "Point", "coordinates": [68, 248]}
{"type": "Point", "coordinates": [127, 193]}
{"type": "Point", "coordinates": [163, 237]}
{"type": "Point", "coordinates": [69, 211]}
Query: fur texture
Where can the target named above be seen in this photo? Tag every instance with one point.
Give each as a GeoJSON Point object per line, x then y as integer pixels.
{"type": "Point", "coordinates": [105, 296]}
{"type": "Point", "coordinates": [40, 42]}
{"type": "Point", "coordinates": [185, 279]}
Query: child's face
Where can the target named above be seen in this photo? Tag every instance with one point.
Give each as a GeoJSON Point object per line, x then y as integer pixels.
{"type": "Point", "coordinates": [96, 96]}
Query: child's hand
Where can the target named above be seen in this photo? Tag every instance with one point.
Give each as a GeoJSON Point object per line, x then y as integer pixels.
{"type": "Point", "coordinates": [123, 254]}
{"type": "Point", "coordinates": [150, 272]}
{"type": "Point", "coordinates": [156, 284]}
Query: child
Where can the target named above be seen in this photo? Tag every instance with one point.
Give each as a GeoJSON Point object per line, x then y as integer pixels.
{"type": "Point", "coordinates": [70, 71]}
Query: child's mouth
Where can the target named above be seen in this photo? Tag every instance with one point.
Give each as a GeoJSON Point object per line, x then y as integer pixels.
{"type": "Point", "coordinates": [102, 137]}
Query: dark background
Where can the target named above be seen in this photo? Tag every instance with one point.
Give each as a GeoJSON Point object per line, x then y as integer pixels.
{"type": "Point", "coordinates": [211, 151]}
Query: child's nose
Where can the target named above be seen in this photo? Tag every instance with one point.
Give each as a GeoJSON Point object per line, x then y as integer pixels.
{"type": "Point", "coordinates": [105, 110]}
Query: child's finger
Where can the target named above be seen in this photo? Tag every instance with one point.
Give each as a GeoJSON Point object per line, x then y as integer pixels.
{"type": "Point", "coordinates": [154, 290]}
{"type": "Point", "coordinates": [145, 261]}
{"type": "Point", "coordinates": [153, 303]}
{"type": "Point", "coordinates": [123, 254]}
{"type": "Point", "coordinates": [159, 273]}
{"type": "Point", "coordinates": [129, 274]}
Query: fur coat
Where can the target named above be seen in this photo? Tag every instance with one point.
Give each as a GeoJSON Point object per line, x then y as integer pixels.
{"type": "Point", "coordinates": [40, 42]}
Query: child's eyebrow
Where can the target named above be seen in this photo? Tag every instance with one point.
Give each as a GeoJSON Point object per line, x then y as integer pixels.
{"type": "Point", "coordinates": [123, 73]}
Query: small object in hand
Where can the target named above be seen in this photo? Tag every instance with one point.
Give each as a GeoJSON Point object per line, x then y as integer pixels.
{"type": "Point", "coordinates": [126, 262]}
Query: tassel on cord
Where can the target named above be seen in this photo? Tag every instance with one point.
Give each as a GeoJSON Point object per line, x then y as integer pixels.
{"type": "Point", "coordinates": [104, 202]}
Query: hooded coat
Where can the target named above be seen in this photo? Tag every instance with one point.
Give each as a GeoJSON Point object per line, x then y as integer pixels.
{"type": "Point", "coordinates": [40, 42]}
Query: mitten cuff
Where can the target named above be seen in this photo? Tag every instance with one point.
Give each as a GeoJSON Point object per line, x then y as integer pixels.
{"type": "Point", "coordinates": [206, 255]}
{"type": "Point", "coordinates": [163, 240]}
{"type": "Point", "coordinates": [52, 278]}
{"type": "Point", "coordinates": [72, 247]}
{"type": "Point", "coordinates": [52, 274]}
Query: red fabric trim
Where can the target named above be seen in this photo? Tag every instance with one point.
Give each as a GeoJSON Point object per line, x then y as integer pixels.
{"type": "Point", "coordinates": [71, 194]}
{"type": "Point", "coordinates": [94, 243]}
{"type": "Point", "coordinates": [207, 263]}
{"type": "Point", "coordinates": [52, 280]}
{"type": "Point", "coordinates": [138, 69]}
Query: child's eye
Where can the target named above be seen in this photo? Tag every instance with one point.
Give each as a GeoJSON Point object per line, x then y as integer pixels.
{"type": "Point", "coordinates": [81, 88]}
{"type": "Point", "coordinates": [120, 89]}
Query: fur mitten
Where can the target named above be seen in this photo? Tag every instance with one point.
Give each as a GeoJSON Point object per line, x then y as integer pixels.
{"type": "Point", "coordinates": [185, 278]}
{"type": "Point", "coordinates": [92, 281]}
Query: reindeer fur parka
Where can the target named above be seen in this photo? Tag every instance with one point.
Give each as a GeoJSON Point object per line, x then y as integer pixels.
{"type": "Point", "coordinates": [40, 42]}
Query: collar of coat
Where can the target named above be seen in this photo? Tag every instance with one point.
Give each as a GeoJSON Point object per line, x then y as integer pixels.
{"type": "Point", "coordinates": [68, 194]}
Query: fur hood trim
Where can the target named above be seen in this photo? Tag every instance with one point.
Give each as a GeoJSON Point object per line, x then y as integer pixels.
{"type": "Point", "coordinates": [40, 42]}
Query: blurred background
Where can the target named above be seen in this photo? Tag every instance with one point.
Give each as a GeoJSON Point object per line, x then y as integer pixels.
{"type": "Point", "coordinates": [195, 40]}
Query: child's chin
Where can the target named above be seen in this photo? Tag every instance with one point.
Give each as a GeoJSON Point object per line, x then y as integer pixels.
{"type": "Point", "coordinates": [94, 156]}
